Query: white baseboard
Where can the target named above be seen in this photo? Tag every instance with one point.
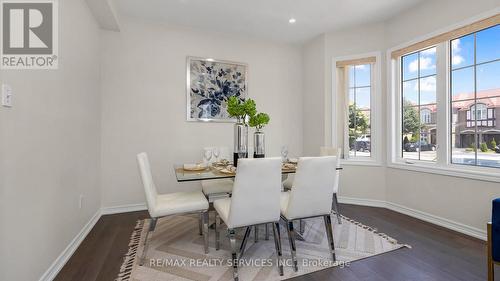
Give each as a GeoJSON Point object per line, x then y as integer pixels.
{"type": "Point", "coordinates": [453, 225]}
{"type": "Point", "coordinates": [61, 260]}
{"type": "Point", "coordinates": [123, 209]}
{"type": "Point", "coordinates": [362, 202]}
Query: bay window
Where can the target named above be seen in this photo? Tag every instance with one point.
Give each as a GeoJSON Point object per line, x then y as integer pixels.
{"type": "Point", "coordinates": [446, 100]}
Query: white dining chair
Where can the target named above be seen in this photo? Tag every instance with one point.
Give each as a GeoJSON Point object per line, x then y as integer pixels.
{"type": "Point", "coordinates": [325, 151]}
{"type": "Point", "coordinates": [310, 197]}
{"type": "Point", "coordinates": [162, 205]}
{"type": "Point", "coordinates": [332, 151]}
{"type": "Point", "coordinates": [254, 201]}
{"type": "Point", "coordinates": [213, 190]}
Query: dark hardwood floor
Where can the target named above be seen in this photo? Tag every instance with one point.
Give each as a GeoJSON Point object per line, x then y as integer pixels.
{"type": "Point", "coordinates": [437, 253]}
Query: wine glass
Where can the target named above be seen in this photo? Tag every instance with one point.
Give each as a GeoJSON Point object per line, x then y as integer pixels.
{"type": "Point", "coordinates": [207, 155]}
{"type": "Point", "coordinates": [284, 153]}
{"type": "Point", "coordinates": [216, 153]}
{"type": "Point", "coordinates": [242, 152]}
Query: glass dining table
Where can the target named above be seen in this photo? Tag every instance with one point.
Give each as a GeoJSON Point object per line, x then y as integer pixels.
{"type": "Point", "coordinates": [212, 173]}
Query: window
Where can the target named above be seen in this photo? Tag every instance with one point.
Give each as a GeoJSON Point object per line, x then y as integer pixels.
{"type": "Point", "coordinates": [425, 116]}
{"type": "Point", "coordinates": [418, 105]}
{"type": "Point", "coordinates": [480, 115]}
{"type": "Point", "coordinates": [356, 112]}
{"type": "Point", "coordinates": [479, 111]}
{"type": "Point", "coordinates": [359, 77]}
{"type": "Point", "coordinates": [475, 98]}
{"type": "Point", "coordinates": [445, 102]}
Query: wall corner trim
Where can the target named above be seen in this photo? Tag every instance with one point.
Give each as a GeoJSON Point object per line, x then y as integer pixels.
{"type": "Point", "coordinates": [446, 223]}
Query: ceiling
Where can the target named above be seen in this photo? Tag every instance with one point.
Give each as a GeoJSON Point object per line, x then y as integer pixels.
{"type": "Point", "coordinates": [265, 18]}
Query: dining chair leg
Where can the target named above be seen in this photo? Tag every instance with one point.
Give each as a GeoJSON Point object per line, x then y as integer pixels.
{"type": "Point", "coordinates": [277, 244]}
{"type": "Point", "coordinates": [256, 229]}
{"type": "Point", "coordinates": [329, 233]}
{"type": "Point", "coordinates": [267, 231]}
{"type": "Point", "coordinates": [337, 208]}
{"type": "Point", "coordinates": [232, 239]}
{"type": "Point", "coordinates": [152, 226]}
{"type": "Point", "coordinates": [205, 230]}
{"type": "Point", "coordinates": [302, 226]}
{"type": "Point", "coordinates": [291, 240]}
{"type": "Point", "coordinates": [200, 224]}
{"type": "Point", "coordinates": [245, 240]}
{"type": "Point", "coordinates": [217, 231]}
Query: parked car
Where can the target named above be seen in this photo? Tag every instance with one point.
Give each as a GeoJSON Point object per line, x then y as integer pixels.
{"type": "Point", "coordinates": [497, 149]}
{"type": "Point", "coordinates": [361, 145]}
{"type": "Point", "coordinates": [421, 145]}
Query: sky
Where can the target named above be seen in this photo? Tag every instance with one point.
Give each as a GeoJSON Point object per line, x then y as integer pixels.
{"type": "Point", "coordinates": [462, 58]}
{"type": "Point", "coordinates": [462, 76]}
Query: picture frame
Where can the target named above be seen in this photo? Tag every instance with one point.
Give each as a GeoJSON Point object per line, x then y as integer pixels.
{"type": "Point", "coordinates": [209, 84]}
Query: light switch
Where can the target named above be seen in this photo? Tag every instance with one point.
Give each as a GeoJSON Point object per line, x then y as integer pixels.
{"type": "Point", "coordinates": [6, 95]}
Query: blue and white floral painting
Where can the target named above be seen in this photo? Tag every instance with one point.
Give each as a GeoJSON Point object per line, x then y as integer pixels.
{"type": "Point", "coordinates": [210, 84]}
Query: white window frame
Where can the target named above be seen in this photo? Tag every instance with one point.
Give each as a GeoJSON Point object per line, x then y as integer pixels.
{"type": "Point", "coordinates": [441, 96]}
{"type": "Point", "coordinates": [375, 112]}
{"type": "Point", "coordinates": [443, 164]}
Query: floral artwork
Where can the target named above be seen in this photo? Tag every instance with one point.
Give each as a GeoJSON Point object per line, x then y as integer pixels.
{"type": "Point", "coordinates": [210, 84]}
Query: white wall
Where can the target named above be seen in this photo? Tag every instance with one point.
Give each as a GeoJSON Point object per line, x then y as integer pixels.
{"type": "Point", "coordinates": [317, 56]}
{"type": "Point", "coordinates": [50, 150]}
{"type": "Point", "coordinates": [462, 201]}
{"type": "Point", "coordinates": [144, 102]}
{"type": "Point", "coordinates": [457, 199]}
{"type": "Point", "coordinates": [313, 56]}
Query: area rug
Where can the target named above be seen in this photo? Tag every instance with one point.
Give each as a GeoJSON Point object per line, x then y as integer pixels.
{"type": "Point", "coordinates": [176, 251]}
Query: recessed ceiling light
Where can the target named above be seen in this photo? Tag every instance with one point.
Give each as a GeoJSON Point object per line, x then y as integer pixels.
{"type": "Point", "coordinates": [292, 20]}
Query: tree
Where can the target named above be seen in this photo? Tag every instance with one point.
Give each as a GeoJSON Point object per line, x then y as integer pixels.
{"type": "Point", "coordinates": [411, 120]}
{"type": "Point", "coordinates": [358, 122]}
{"type": "Point", "coordinates": [493, 143]}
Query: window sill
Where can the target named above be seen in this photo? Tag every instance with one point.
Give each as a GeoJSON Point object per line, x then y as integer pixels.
{"type": "Point", "coordinates": [492, 176]}
{"type": "Point", "coordinates": [359, 162]}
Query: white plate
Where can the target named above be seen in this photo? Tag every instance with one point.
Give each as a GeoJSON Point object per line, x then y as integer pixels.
{"type": "Point", "coordinates": [194, 167]}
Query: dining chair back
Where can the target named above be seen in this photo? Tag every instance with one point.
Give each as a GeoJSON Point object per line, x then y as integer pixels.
{"type": "Point", "coordinates": [310, 196]}
{"type": "Point", "coordinates": [256, 192]}
{"type": "Point", "coordinates": [331, 151]}
{"type": "Point", "coordinates": [147, 181]}
{"type": "Point", "coordinates": [255, 201]}
{"type": "Point", "coordinates": [313, 187]}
